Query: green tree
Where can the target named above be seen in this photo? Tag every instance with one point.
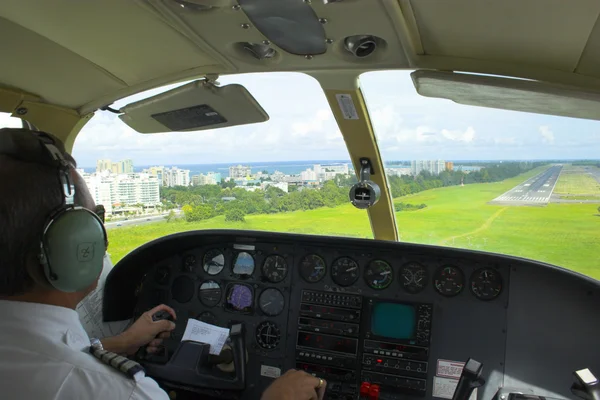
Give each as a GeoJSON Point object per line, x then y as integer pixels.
{"type": "Point", "coordinates": [234, 215]}
{"type": "Point", "coordinates": [170, 216]}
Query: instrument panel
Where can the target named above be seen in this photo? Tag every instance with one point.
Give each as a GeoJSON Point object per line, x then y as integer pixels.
{"type": "Point", "coordinates": [354, 312]}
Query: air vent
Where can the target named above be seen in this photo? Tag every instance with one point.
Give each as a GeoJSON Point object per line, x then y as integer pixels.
{"type": "Point", "coordinates": [361, 45]}
{"type": "Point", "coordinates": [259, 51]}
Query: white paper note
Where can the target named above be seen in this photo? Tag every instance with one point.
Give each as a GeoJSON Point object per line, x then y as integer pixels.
{"type": "Point", "coordinates": [90, 310]}
{"type": "Point", "coordinates": [202, 332]}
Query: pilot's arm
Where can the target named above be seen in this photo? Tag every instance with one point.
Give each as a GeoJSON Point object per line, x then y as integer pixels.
{"type": "Point", "coordinates": [293, 385]}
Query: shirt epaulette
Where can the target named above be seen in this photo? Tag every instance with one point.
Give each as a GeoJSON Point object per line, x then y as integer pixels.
{"type": "Point", "coordinates": [130, 368]}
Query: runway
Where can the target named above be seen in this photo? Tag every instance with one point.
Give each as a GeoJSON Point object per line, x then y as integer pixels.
{"type": "Point", "coordinates": [534, 191]}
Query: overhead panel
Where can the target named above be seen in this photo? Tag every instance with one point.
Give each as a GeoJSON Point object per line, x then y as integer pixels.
{"type": "Point", "coordinates": [546, 33]}
{"type": "Point", "coordinates": [119, 36]}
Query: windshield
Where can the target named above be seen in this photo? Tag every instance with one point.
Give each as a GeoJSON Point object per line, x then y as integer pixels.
{"type": "Point", "coordinates": [289, 174]}
{"type": "Point", "coordinates": [491, 180]}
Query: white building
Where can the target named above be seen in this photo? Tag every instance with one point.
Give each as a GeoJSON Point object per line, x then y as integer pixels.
{"type": "Point", "coordinates": [103, 165]}
{"type": "Point", "coordinates": [211, 178]}
{"type": "Point", "coordinates": [239, 172]}
{"type": "Point", "coordinates": [398, 171]}
{"type": "Point", "coordinates": [280, 185]}
{"type": "Point", "coordinates": [126, 189]}
{"type": "Point", "coordinates": [308, 175]}
{"type": "Point", "coordinates": [278, 176]}
{"type": "Point", "coordinates": [176, 177]}
{"type": "Point", "coordinates": [432, 166]}
{"type": "Point", "coordinates": [156, 171]}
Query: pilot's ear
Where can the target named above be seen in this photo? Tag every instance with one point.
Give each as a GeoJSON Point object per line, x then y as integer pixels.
{"type": "Point", "coordinates": [35, 270]}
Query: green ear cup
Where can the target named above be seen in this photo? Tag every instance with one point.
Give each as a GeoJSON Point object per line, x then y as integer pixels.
{"type": "Point", "coordinates": [74, 245]}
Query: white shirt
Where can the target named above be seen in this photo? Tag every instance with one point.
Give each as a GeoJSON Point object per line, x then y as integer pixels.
{"type": "Point", "coordinates": [44, 355]}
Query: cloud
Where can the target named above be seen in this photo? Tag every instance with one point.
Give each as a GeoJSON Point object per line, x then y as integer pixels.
{"type": "Point", "coordinates": [458, 136]}
{"type": "Point", "coordinates": [547, 134]}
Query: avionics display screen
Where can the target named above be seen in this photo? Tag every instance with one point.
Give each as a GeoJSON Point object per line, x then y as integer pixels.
{"type": "Point", "coordinates": [326, 342]}
{"type": "Point", "coordinates": [394, 321]}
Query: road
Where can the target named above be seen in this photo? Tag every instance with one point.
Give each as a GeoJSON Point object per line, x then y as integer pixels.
{"type": "Point", "coordinates": [534, 191]}
{"type": "Point", "coordinates": [138, 221]}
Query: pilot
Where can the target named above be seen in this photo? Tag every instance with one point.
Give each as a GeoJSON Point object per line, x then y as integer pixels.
{"type": "Point", "coordinates": [52, 248]}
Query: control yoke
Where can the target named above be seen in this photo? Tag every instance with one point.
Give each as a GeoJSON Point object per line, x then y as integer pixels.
{"type": "Point", "coordinates": [586, 386]}
{"type": "Point", "coordinates": [470, 379]}
{"type": "Point", "coordinates": [192, 366]}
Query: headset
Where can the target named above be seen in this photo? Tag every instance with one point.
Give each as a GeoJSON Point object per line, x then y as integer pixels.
{"type": "Point", "coordinates": [73, 240]}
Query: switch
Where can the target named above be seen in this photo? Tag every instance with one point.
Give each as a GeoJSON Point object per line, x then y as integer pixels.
{"type": "Point", "coordinates": [364, 389]}
{"type": "Point", "coordinates": [374, 392]}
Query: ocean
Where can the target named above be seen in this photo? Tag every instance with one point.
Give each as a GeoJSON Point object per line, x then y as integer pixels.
{"type": "Point", "coordinates": [287, 167]}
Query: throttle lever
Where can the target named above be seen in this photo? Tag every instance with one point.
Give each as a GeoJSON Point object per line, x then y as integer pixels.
{"type": "Point", "coordinates": [586, 386]}
{"type": "Point", "coordinates": [470, 379]}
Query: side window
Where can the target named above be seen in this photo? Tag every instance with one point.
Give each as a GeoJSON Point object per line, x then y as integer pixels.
{"type": "Point", "coordinates": [6, 121]}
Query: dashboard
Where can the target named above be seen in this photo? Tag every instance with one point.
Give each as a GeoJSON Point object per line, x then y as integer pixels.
{"type": "Point", "coordinates": [359, 313]}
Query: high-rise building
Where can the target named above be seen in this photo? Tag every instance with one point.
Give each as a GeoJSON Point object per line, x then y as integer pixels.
{"type": "Point", "coordinates": [125, 189]}
{"type": "Point", "coordinates": [156, 171]}
{"type": "Point", "coordinates": [211, 178]}
{"type": "Point", "coordinates": [127, 166]}
{"type": "Point", "coordinates": [432, 166]}
{"type": "Point", "coordinates": [103, 165]}
{"type": "Point", "coordinates": [308, 175]}
{"type": "Point", "coordinates": [449, 165]}
{"type": "Point", "coordinates": [116, 168]}
{"type": "Point", "coordinates": [176, 177]}
{"type": "Point", "coordinates": [240, 171]}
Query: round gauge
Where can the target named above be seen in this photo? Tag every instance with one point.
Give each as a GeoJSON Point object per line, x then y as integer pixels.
{"type": "Point", "coordinates": [162, 275]}
{"type": "Point", "coordinates": [449, 281]}
{"type": "Point", "coordinates": [207, 317]}
{"type": "Point", "coordinates": [244, 264]}
{"type": "Point", "coordinates": [344, 271]}
{"type": "Point", "coordinates": [271, 302]}
{"type": "Point", "coordinates": [312, 268]}
{"type": "Point", "coordinates": [413, 277]}
{"type": "Point", "coordinates": [486, 284]}
{"type": "Point", "coordinates": [182, 289]}
{"type": "Point", "coordinates": [268, 335]}
{"type": "Point", "coordinates": [189, 263]}
{"type": "Point", "coordinates": [379, 274]}
{"type": "Point", "coordinates": [240, 298]}
{"type": "Point", "coordinates": [209, 293]}
{"type": "Point", "coordinates": [275, 268]}
{"type": "Point", "coordinates": [213, 261]}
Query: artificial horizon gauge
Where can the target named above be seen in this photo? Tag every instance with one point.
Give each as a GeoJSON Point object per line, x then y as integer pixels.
{"type": "Point", "coordinates": [449, 281]}
{"type": "Point", "coordinates": [209, 293]}
{"type": "Point", "coordinates": [274, 268]}
{"type": "Point", "coordinates": [344, 271]}
{"type": "Point", "coordinates": [213, 261]}
{"type": "Point", "coordinates": [486, 283]}
{"type": "Point", "coordinates": [312, 268]}
{"type": "Point", "coordinates": [413, 277]}
{"type": "Point", "coordinates": [379, 274]}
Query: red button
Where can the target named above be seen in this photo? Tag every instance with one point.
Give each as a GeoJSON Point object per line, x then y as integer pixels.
{"type": "Point", "coordinates": [374, 392]}
{"type": "Point", "coordinates": [364, 389]}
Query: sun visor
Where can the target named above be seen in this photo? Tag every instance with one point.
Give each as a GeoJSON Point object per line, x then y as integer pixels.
{"type": "Point", "coordinates": [508, 94]}
{"type": "Point", "coordinates": [196, 106]}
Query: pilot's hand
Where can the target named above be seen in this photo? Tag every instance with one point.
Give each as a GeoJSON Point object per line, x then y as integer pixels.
{"type": "Point", "coordinates": [296, 385]}
{"type": "Point", "coordinates": [143, 332]}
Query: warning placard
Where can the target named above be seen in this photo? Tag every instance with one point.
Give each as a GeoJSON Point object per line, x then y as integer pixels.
{"type": "Point", "coordinates": [445, 387]}
{"type": "Point", "coordinates": [449, 369]}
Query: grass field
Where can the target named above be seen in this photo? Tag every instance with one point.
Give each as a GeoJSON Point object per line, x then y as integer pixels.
{"type": "Point", "coordinates": [563, 234]}
{"type": "Point", "coordinates": [574, 180]}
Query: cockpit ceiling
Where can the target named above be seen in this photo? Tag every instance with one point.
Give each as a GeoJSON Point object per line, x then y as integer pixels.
{"type": "Point", "coordinates": [85, 54]}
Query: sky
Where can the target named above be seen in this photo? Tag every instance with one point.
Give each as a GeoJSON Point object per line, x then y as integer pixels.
{"type": "Point", "coordinates": [302, 127]}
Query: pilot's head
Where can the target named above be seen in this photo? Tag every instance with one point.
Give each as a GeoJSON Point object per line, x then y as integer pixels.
{"type": "Point", "coordinates": [51, 251]}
